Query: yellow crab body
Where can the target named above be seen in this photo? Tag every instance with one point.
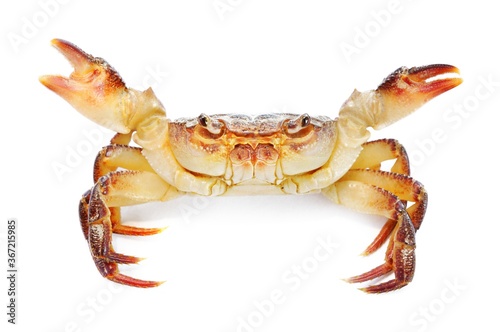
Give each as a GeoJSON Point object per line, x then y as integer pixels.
{"type": "Point", "coordinates": [240, 154]}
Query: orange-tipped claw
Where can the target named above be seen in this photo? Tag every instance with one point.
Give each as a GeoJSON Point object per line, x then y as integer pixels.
{"type": "Point", "coordinates": [79, 59]}
{"type": "Point", "coordinates": [94, 88]}
{"type": "Point", "coordinates": [423, 80]}
{"type": "Point", "coordinates": [406, 89]}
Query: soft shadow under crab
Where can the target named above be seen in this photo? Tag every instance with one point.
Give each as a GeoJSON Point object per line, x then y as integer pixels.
{"type": "Point", "coordinates": [239, 154]}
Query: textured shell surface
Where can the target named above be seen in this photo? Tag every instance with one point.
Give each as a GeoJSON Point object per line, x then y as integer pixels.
{"type": "Point", "coordinates": [259, 125]}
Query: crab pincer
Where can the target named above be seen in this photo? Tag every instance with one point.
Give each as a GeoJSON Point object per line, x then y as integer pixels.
{"type": "Point", "coordinates": [407, 89]}
{"type": "Point", "coordinates": [97, 91]}
{"type": "Point", "coordinates": [92, 88]}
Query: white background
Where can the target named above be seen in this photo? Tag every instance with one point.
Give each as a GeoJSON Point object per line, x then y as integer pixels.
{"type": "Point", "coordinates": [223, 258]}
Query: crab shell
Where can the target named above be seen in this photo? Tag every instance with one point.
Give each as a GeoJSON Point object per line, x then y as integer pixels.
{"type": "Point", "coordinates": [246, 150]}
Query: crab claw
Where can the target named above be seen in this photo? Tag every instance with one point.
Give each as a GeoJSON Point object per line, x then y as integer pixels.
{"type": "Point", "coordinates": [94, 88]}
{"type": "Point", "coordinates": [405, 90]}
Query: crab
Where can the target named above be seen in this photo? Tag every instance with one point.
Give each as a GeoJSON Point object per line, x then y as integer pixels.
{"type": "Point", "coordinates": [225, 154]}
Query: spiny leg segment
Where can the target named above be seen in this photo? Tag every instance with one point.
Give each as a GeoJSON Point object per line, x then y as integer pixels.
{"type": "Point", "coordinates": [100, 207]}
{"type": "Point", "coordinates": [370, 190]}
{"type": "Point", "coordinates": [403, 186]}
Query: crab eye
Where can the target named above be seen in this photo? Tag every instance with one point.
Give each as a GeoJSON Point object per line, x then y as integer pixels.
{"type": "Point", "coordinates": [306, 120]}
{"type": "Point", "coordinates": [297, 124]}
{"type": "Point", "coordinates": [213, 126]}
{"type": "Point", "coordinates": [203, 120]}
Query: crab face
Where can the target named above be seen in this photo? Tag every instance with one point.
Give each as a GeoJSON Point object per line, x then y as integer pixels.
{"type": "Point", "coordinates": [262, 149]}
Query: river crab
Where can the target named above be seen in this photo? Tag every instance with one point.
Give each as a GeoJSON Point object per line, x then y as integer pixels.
{"type": "Point", "coordinates": [266, 154]}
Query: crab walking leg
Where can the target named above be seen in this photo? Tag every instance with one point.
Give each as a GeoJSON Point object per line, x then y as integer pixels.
{"type": "Point", "coordinates": [372, 155]}
{"type": "Point", "coordinates": [400, 255]}
{"type": "Point", "coordinates": [402, 186]}
{"type": "Point", "coordinates": [376, 152]}
{"type": "Point", "coordinates": [108, 160]}
{"type": "Point", "coordinates": [120, 188]}
{"type": "Point", "coordinates": [113, 156]}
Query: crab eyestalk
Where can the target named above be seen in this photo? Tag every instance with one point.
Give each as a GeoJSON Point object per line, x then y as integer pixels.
{"type": "Point", "coordinates": [407, 89]}
{"type": "Point", "coordinates": [96, 90]}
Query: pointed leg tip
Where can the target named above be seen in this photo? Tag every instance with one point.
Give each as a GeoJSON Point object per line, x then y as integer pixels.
{"type": "Point", "coordinates": [384, 287]}
{"type": "Point", "coordinates": [123, 259]}
{"type": "Point", "coordinates": [133, 282]}
{"type": "Point", "coordinates": [366, 252]}
{"type": "Point", "coordinates": [44, 79]}
{"type": "Point", "coordinates": [365, 290]}
{"type": "Point", "coordinates": [379, 271]}
{"type": "Point", "coordinates": [56, 42]}
{"type": "Point", "coordinates": [368, 290]}
{"type": "Point", "coordinates": [374, 246]}
{"type": "Point", "coordinates": [354, 280]}
{"type": "Point", "coordinates": [136, 231]}
{"type": "Point", "coordinates": [149, 284]}
{"type": "Point", "coordinates": [157, 230]}
{"type": "Point", "coordinates": [349, 280]}
{"type": "Point", "coordinates": [376, 289]}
